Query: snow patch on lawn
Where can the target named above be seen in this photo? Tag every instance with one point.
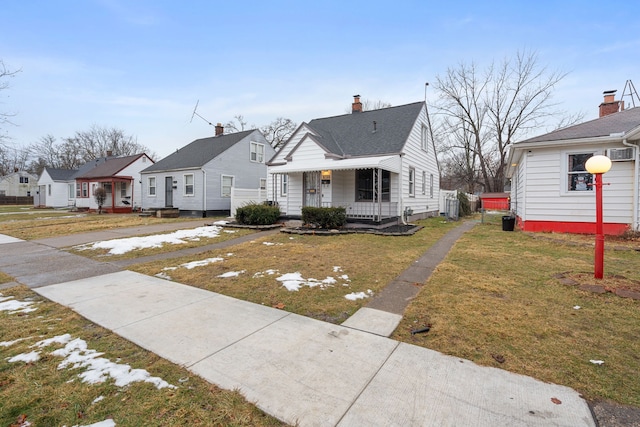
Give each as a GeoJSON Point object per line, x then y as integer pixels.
{"type": "Point", "coordinates": [96, 369]}
{"type": "Point", "coordinates": [231, 274]}
{"type": "Point", "coordinates": [16, 306]}
{"type": "Point", "coordinates": [359, 295]}
{"type": "Point", "coordinates": [295, 281]}
{"type": "Point", "coordinates": [124, 245]}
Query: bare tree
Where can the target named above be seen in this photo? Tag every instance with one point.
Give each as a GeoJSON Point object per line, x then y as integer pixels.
{"type": "Point", "coordinates": [238, 124]}
{"type": "Point", "coordinates": [278, 131]}
{"type": "Point", "coordinates": [12, 159]}
{"type": "Point", "coordinates": [84, 146]}
{"type": "Point", "coordinates": [484, 113]}
{"type": "Point", "coordinates": [98, 141]}
{"type": "Point", "coordinates": [5, 117]}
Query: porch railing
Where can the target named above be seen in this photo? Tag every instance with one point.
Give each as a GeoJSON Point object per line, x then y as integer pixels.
{"type": "Point", "coordinates": [368, 211]}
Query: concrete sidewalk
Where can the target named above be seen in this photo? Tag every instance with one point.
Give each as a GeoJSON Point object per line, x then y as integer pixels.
{"type": "Point", "coordinates": [297, 369]}
{"type": "Point", "coordinates": [305, 371]}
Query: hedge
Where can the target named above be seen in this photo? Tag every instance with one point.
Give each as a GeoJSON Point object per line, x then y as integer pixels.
{"type": "Point", "coordinates": [324, 217]}
{"type": "Point", "coordinates": [257, 214]}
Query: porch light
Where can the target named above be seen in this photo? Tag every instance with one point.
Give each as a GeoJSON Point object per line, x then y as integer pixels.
{"type": "Point", "coordinates": [598, 165]}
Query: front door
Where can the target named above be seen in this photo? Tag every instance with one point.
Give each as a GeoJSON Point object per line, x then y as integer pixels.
{"type": "Point", "coordinates": [168, 191]}
{"type": "Point", "coordinates": [312, 189]}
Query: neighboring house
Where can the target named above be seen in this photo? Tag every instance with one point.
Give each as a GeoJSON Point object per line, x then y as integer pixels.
{"type": "Point", "coordinates": [198, 178]}
{"type": "Point", "coordinates": [551, 189]}
{"type": "Point", "coordinates": [120, 177]}
{"type": "Point", "coordinates": [18, 184]}
{"type": "Point", "coordinates": [377, 164]}
{"type": "Point", "coordinates": [56, 188]}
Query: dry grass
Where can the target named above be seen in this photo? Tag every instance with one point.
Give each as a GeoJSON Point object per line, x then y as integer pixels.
{"type": "Point", "coordinates": [43, 224]}
{"type": "Point", "coordinates": [496, 297]}
{"type": "Point", "coordinates": [369, 261]}
{"type": "Point", "coordinates": [48, 396]}
{"type": "Point", "coordinates": [4, 278]}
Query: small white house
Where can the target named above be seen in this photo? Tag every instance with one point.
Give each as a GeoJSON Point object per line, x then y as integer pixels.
{"type": "Point", "coordinates": [552, 191]}
{"type": "Point", "coordinates": [18, 184]}
{"type": "Point", "coordinates": [56, 188]}
{"type": "Point", "coordinates": [378, 165]}
{"type": "Point", "coordinates": [198, 178]}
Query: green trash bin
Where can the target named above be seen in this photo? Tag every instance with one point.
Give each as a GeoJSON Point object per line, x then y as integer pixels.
{"type": "Point", "coordinates": [508, 223]}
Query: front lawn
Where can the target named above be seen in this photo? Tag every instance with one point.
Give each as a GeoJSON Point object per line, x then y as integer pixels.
{"type": "Point", "coordinates": [498, 300]}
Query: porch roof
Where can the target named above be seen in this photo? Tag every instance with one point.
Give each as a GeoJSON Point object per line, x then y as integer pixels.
{"type": "Point", "coordinates": [390, 163]}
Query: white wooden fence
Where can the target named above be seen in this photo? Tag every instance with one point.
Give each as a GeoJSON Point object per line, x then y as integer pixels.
{"type": "Point", "coordinates": [244, 196]}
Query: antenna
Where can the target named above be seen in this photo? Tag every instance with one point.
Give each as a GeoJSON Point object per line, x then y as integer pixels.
{"type": "Point", "coordinates": [631, 89]}
{"type": "Point", "coordinates": [196, 114]}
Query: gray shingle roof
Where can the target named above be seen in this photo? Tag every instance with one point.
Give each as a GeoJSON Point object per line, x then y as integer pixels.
{"type": "Point", "coordinates": [61, 174]}
{"type": "Point", "coordinates": [198, 153]}
{"type": "Point", "coordinates": [616, 123]}
{"type": "Point", "coordinates": [353, 134]}
{"type": "Point", "coordinates": [110, 166]}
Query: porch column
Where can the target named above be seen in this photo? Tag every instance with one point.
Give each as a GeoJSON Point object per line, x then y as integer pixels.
{"type": "Point", "coordinates": [113, 196]}
{"type": "Point", "coordinates": [379, 184]}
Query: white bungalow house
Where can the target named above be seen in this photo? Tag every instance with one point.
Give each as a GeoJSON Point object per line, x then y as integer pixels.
{"type": "Point", "coordinates": [19, 183]}
{"type": "Point", "coordinates": [378, 165]}
{"type": "Point", "coordinates": [198, 178]}
{"type": "Point", "coordinates": [56, 188]}
{"type": "Point", "coordinates": [120, 177]}
{"type": "Point", "coordinates": [551, 189]}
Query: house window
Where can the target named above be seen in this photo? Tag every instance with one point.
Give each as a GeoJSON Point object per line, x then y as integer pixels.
{"type": "Point", "coordinates": [366, 184]}
{"type": "Point", "coordinates": [424, 138]}
{"type": "Point", "coordinates": [72, 191]}
{"type": "Point", "coordinates": [78, 193]}
{"type": "Point", "coordinates": [188, 185]}
{"type": "Point", "coordinates": [123, 189]}
{"type": "Point", "coordinates": [227, 184]}
{"type": "Point", "coordinates": [257, 152]}
{"type": "Point", "coordinates": [431, 186]}
{"type": "Point", "coordinates": [578, 179]}
{"type": "Point", "coordinates": [152, 186]}
{"type": "Point", "coordinates": [24, 180]}
{"type": "Point", "coordinates": [412, 182]}
{"type": "Point", "coordinates": [424, 182]}
{"type": "Point", "coordinates": [284, 185]}
{"type": "Point", "coordinates": [49, 189]}
{"type": "Point", "coordinates": [263, 183]}
{"type": "Point", "coordinates": [85, 189]}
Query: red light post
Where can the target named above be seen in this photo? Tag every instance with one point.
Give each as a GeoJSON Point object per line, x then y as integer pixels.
{"type": "Point", "coordinates": [599, 165]}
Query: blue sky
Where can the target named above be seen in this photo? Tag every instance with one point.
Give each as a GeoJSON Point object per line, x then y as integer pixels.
{"type": "Point", "coordinates": [141, 65]}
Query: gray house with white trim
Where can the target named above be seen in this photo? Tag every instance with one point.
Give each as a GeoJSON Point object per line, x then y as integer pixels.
{"type": "Point", "coordinates": [198, 178]}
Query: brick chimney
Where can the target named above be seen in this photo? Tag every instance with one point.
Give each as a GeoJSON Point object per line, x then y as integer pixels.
{"type": "Point", "coordinates": [610, 105]}
{"type": "Point", "coordinates": [219, 129]}
{"type": "Point", "coordinates": [356, 107]}
{"type": "Point", "coordinates": [109, 153]}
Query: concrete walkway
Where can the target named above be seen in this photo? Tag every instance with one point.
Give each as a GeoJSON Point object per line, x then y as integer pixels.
{"type": "Point", "coordinates": [384, 312]}
{"type": "Point", "coordinates": [297, 369]}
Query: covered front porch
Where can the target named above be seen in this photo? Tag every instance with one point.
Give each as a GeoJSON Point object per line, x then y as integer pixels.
{"type": "Point", "coordinates": [119, 194]}
{"type": "Point", "coordinates": [367, 188]}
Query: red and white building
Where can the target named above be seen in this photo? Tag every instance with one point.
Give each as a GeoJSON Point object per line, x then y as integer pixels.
{"type": "Point", "coordinates": [551, 190]}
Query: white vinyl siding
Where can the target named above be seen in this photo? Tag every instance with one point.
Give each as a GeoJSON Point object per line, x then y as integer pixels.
{"type": "Point", "coordinates": [541, 190]}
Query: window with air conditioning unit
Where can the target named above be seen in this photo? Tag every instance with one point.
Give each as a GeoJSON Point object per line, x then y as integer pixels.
{"type": "Point", "coordinates": [620, 154]}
